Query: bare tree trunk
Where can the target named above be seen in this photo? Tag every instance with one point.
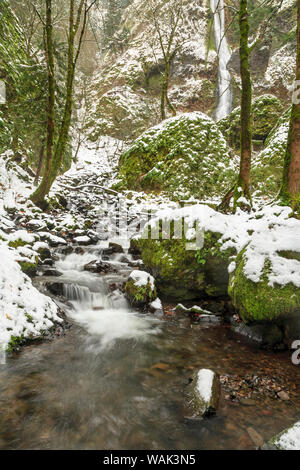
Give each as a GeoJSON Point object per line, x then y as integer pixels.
{"type": "Point", "coordinates": [290, 188]}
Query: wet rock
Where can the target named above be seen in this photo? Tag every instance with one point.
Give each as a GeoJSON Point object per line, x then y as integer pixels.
{"type": "Point", "coordinates": [52, 273]}
{"type": "Point", "coordinates": [79, 250]}
{"type": "Point", "coordinates": [55, 288]}
{"type": "Point", "coordinates": [44, 253]}
{"type": "Point", "coordinates": [48, 262]}
{"type": "Point", "coordinates": [198, 314]}
{"type": "Point", "coordinates": [255, 437]}
{"type": "Point", "coordinates": [247, 402]}
{"type": "Point", "coordinates": [203, 394]}
{"type": "Point", "coordinates": [156, 307]}
{"type": "Point", "coordinates": [99, 267]}
{"type": "Point", "coordinates": [283, 395]}
{"type": "Point", "coordinates": [112, 249]}
{"type": "Point", "coordinates": [93, 236]}
{"type": "Point", "coordinates": [67, 250]}
{"type": "Point", "coordinates": [84, 240]}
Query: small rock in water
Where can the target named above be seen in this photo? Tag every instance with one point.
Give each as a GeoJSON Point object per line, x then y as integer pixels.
{"type": "Point", "coordinates": [52, 273]}
{"type": "Point", "coordinates": [283, 395]}
{"type": "Point", "coordinates": [255, 437]}
{"type": "Point", "coordinates": [115, 248]}
{"type": "Point", "coordinates": [99, 267]}
{"type": "Point", "coordinates": [247, 402]}
{"type": "Point", "coordinates": [203, 394]}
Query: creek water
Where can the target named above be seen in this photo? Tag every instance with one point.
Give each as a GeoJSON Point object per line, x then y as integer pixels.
{"type": "Point", "coordinates": [101, 386]}
{"type": "Point", "coordinates": [224, 90]}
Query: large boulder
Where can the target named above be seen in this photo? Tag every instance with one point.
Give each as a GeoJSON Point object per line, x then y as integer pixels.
{"type": "Point", "coordinates": [266, 110]}
{"type": "Point", "coordinates": [185, 155]}
{"type": "Point", "coordinates": [262, 300]}
{"type": "Point", "coordinates": [186, 268]}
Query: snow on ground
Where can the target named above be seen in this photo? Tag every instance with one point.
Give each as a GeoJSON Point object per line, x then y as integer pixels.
{"type": "Point", "coordinates": [290, 439]}
{"type": "Point", "coordinates": [24, 312]}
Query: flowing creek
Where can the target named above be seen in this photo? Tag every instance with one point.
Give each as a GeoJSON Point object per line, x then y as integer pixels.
{"type": "Point", "coordinates": [101, 386]}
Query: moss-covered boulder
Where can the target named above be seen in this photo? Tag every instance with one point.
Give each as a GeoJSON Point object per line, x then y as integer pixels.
{"type": "Point", "coordinates": [185, 155]}
{"type": "Point", "coordinates": [140, 289]}
{"type": "Point", "coordinates": [266, 110]}
{"type": "Point", "coordinates": [261, 301]}
{"type": "Point", "coordinates": [182, 273]}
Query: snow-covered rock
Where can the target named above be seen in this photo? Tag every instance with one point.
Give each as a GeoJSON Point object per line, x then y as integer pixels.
{"type": "Point", "coordinates": [204, 392]}
{"type": "Point", "coordinates": [140, 288]}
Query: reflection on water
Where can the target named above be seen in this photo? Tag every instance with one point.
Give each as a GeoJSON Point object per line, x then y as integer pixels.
{"type": "Point", "coordinates": [99, 387]}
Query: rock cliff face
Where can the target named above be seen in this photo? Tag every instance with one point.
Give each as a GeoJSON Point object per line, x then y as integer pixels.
{"type": "Point", "coordinates": [125, 90]}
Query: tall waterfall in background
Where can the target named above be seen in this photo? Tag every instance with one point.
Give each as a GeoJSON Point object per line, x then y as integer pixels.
{"type": "Point", "coordinates": [224, 87]}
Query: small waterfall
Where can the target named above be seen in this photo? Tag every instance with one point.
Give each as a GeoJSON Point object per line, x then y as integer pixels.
{"type": "Point", "coordinates": [82, 297]}
{"type": "Point", "coordinates": [224, 88]}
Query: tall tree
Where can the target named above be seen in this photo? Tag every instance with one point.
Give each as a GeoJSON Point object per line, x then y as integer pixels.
{"type": "Point", "coordinates": [290, 188]}
{"type": "Point", "coordinates": [78, 14]}
{"type": "Point", "coordinates": [242, 186]}
{"type": "Point", "coordinates": [246, 98]}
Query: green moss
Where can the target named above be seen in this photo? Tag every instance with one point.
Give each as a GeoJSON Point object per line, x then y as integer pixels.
{"type": "Point", "coordinates": [259, 301]}
{"type": "Point", "coordinates": [184, 274]}
{"type": "Point", "coordinates": [28, 268]}
{"type": "Point", "coordinates": [17, 243]}
{"type": "Point", "coordinates": [140, 295]}
{"type": "Point", "coordinates": [186, 155]}
{"type": "Point", "coordinates": [266, 111]}
{"type": "Point", "coordinates": [15, 343]}
{"type": "Point", "coordinates": [267, 166]}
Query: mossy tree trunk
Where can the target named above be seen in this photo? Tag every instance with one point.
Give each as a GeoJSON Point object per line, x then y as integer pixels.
{"type": "Point", "coordinates": [242, 186]}
{"type": "Point", "coordinates": [290, 188]}
{"type": "Point", "coordinates": [41, 191]}
{"type": "Point", "coordinates": [246, 98]}
{"type": "Point", "coordinates": [165, 101]}
{"type": "Point", "coordinates": [55, 153]}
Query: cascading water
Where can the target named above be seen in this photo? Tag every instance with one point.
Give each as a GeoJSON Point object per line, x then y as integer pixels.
{"type": "Point", "coordinates": [107, 317]}
{"type": "Point", "coordinates": [224, 88]}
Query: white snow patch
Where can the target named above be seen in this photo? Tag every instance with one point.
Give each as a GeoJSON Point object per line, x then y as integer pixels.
{"type": "Point", "coordinates": [205, 379]}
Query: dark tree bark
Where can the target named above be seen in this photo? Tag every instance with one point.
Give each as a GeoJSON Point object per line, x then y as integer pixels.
{"type": "Point", "coordinates": [42, 190]}
{"type": "Point", "coordinates": [77, 21]}
{"type": "Point", "coordinates": [290, 188]}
